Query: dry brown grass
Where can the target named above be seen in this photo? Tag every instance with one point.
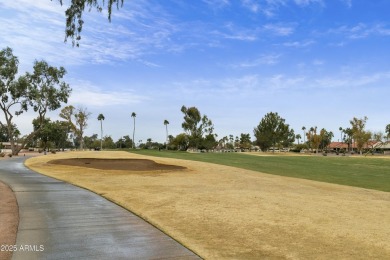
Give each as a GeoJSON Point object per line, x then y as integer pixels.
{"type": "Point", "coordinates": [9, 220]}
{"type": "Point", "coordinates": [225, 212]}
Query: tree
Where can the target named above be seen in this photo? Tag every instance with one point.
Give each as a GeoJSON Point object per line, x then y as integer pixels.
{"type": "Point", "coordinates": [43, 91]}
{"type": "Point", "coordinates": [124, 142]}
{"type": "Point", "coordinates": [181, 142]}
{"type": "Point", "coordinates": [298, 137]}
{"type": "Point", "coordinates": [121, 143]}
{"type": "Point", "coordinates": [245, 141]}
{"type": "Point", "coordinates": [304, 133]}
{"type": "Point", "coordinates": [378, 136]}
{"type": "Point", "coordinates": [348, 137]}
{"type": "Point", "coordinates": [313, 138]}
{"type": "Point", "coordinates": [196, 126]}
{"type": "Point", "coordinates": [341, 133]}
{"type": "Point", "coordinates": [387, 131]}
{"type": "Point", "coordinates": [360, 136]}
{"type": "Point", "coordinates": [101, 119]}
{"type": "Point", "coordinates": [13, 92]}
{"type": "Point", "coordinates": [133, 115]}
{"type": "Point", "coordinates": [52, 134]}
{"type": "Point", "coordinates": [44, 137]}
{"type": "Point", "coordinates": [4, 135]}
{"type": "Point", "coordinates": [326, 138]}
{"type": "Point", "coordinates": [148, 143]}
{"type": "Point", "coordinates": [166, 123]}
{"type": "Point", "coordinates": [91, 142]}
{"type": "Point", "coordinates": [77, 120]}
{"type": "Point", "coordinates": [272, 131]}
{"type": "Point", "coordinates": [209, 142]}
{"type": "Point", "coordinates": [74, 15]}
{"type": "Point", "coordinates": [223, 142]}
{"type": "Point", "coordinates": [108, 142]}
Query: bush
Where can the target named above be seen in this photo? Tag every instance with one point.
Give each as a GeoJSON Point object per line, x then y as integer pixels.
{"type": "Point", "coordinates": [2, 154]}
{"type": "Point", "coordinates": [53, 151]}
{"type": "Point", "coordinates": [10, 155]}
{"type": "Point", "coordinates": [297, 148]}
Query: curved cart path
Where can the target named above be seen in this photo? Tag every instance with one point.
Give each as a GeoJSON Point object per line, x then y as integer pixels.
{"type": "Point", "coordinates": [61, 221]}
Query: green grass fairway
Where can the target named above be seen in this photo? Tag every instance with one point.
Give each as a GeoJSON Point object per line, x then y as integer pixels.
{"type": "Point", "coordinates": [364, 172]}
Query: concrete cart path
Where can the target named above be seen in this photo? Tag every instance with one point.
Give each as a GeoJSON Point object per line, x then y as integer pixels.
{"type": "Point", "coordinates": [62, 221]}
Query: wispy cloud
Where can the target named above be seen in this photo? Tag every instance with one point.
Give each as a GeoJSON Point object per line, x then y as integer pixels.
{"type": "Point", "coordinates": [270, 59]}
{"type": "Point", "coordinates": [348, 3]}
{"type": "Point", "coordinates": [234, 32]}
{"type": "Point", "coordinates": [90, 95]}
{"type": "Point", "coordinates": [253, 85]}
{"type": "Point", "coordinates": [303, 3]}
{"type": "Point", "coordinates": [253, 6]}
{"type": "Point", "coordinates": [217, 3]}
{"type": "Point", "coordinates": [352, 81]}
{"type": "Point", "coordinates": [299, 44]}
{"type": "Point", "coordinates": [318, 62]}
{"type": "Point", "coordinates": [271, 8]}
{"type": "Point", "coordinates": [361, 30]}
{"type": "Point", "coordinates": [278, 29]}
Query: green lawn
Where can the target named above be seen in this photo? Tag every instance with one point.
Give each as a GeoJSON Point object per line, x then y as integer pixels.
{"type": "Point", "coordinates": [364, 172]}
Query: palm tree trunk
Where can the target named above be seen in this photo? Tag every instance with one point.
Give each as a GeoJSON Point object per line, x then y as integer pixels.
{"type": "Point", "coordinates": [166, 128]}
{"type": "Point", "coordinates": [133, 133]}
{"type": "Point", "coordinates": [101, 135]}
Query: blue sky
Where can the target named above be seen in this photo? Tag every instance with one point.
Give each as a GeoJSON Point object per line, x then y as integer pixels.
{"type": "Point", "coordinates": [315, 62]}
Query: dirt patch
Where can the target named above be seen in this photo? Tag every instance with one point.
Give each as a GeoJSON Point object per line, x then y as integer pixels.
{"type": "Point", "coordinates": [9, 215]}
{"type": "Point", "coordinates": [118, 164]}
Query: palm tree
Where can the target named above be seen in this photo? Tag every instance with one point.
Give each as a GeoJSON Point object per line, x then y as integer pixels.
{"type": "Point", "coordinates": [304, 133]}
{"type": "Point", "coordinates": [387, 132]}
{"type": "Point", "coordinates": [133, 115]}
{"type": "Point", "coordinates": [310, 138]}
{"type": "Point", "coordinates": [341, 134]}
{"type": "Point", "coordinates": [298, 136]}
{"type": "Point", "coordinates": [166, 123]}
{"type": "Point", "coordinates": [101, 118]}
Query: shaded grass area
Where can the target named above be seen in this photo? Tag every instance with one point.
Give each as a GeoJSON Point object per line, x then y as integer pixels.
{"type": "Point", "coordinates": [363, 172]}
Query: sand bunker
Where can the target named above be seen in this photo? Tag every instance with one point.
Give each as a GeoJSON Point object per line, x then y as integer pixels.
{"type": "Point", "coordinates": [117, 164]}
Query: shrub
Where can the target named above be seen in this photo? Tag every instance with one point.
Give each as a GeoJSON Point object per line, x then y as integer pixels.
{"type": "Point", "coordinates": [10, 155]}
{"type": "Point", "coordinates": [2, 154]}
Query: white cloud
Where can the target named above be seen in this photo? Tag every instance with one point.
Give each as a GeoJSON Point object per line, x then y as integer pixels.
{"type": "Point", "coordinates": [217, 3]}
{"type": "Point", "coordinates": [280, 30]}
{"type": "Point", "coordinates": [361, 30]}
{"type": "Point", "coordinates": [308, 2]}
{"type": "Point", "coordinates": [318, 62]}
{"type": "Point", "coordinates": [348, 3]}
{"type": "Point", "coordinates": [280, 81]}
{"type": "Point", "coordinates": [271, 8]}
{"type": "Point", "coordinates": [234, 32]}
{"type": "Point", "coordinates": [86, 94]}
{"type": "Point", "coordinates": [299, 44]}
{"type": "Point", "coordinates": [251, 5]}
{"type": "Point", "coordinates": [270, 59]}
{"type": "Point", "coordinates": [353, 81]}
{"type": "Point", "coordinates": [256, 85]}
